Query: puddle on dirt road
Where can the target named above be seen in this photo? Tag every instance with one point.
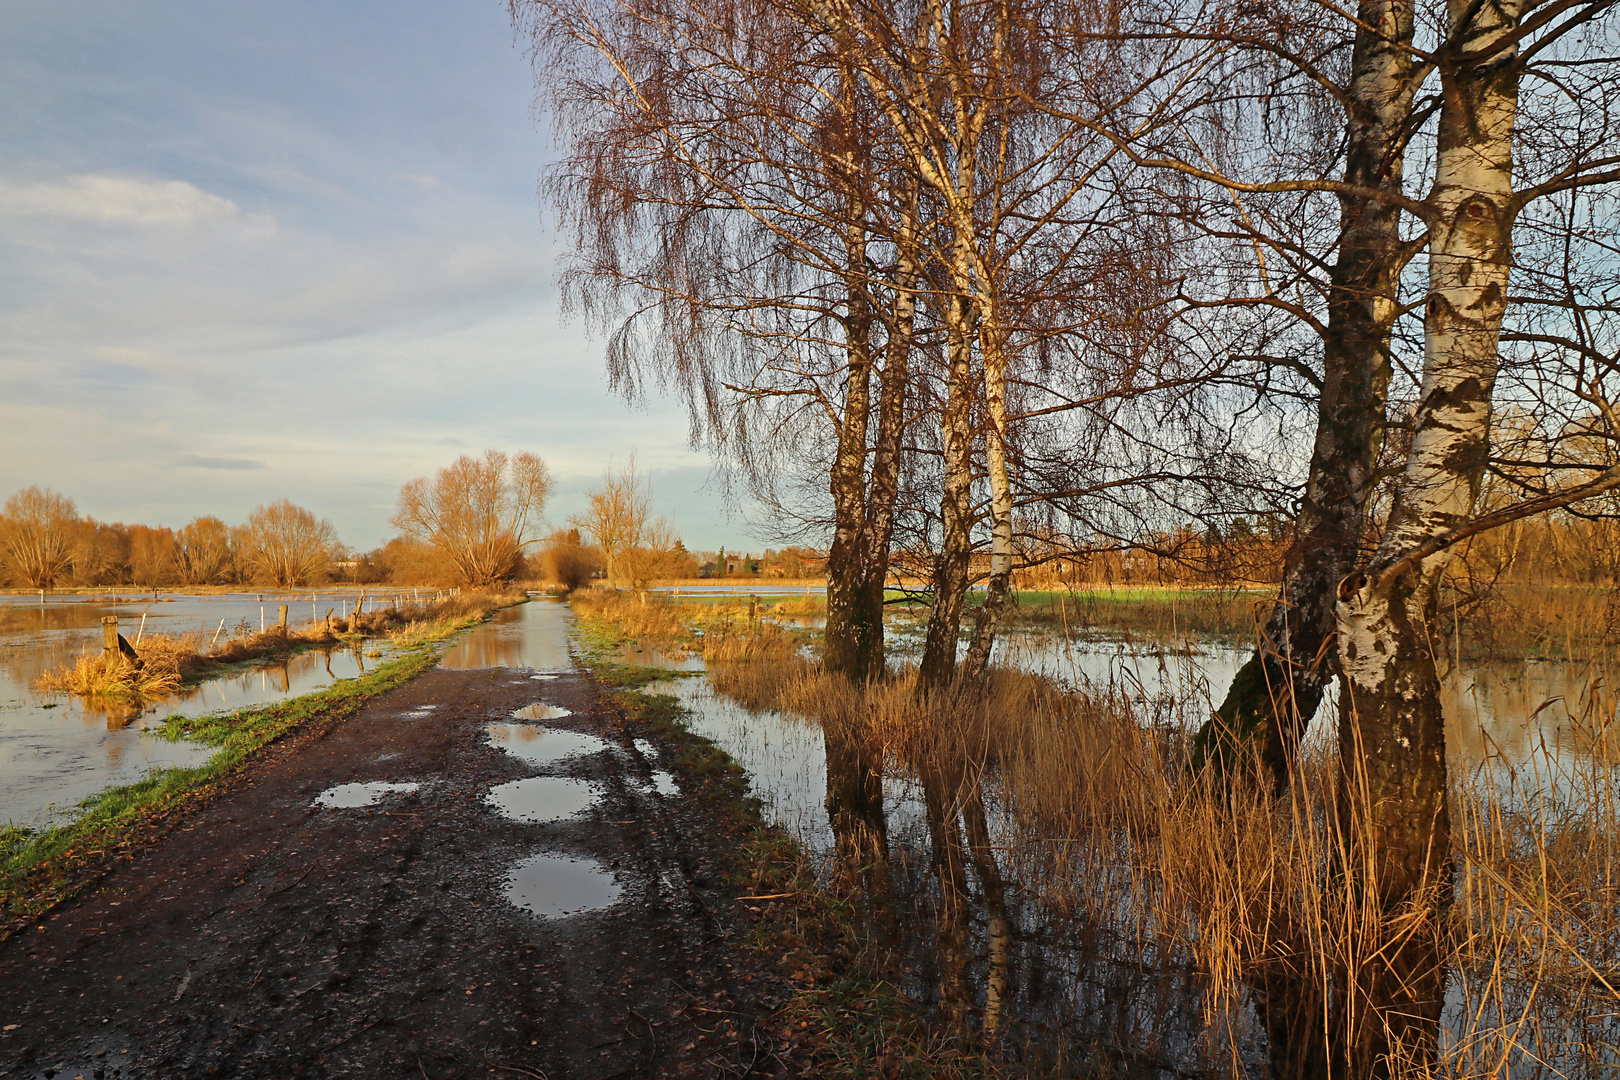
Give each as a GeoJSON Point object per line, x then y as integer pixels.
{"type": "Point", "coordinates": [543, 745]}
{"type": "Point", "coordinates": [538, 711]}
{"type": "Point", "coordinates": [532, 635]}
{"type": "Point", "coordinates": [664, 783]}
{"type": "Point", "coordinates": [540, 799]}
{"type": "Point", "coordinates": [557, 886]}
{"type": "Point", "coordinates": [369, 793]}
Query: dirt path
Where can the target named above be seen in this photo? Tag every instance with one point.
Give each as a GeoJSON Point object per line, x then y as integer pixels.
{"type": "Point", "coordinates": [270, 938]}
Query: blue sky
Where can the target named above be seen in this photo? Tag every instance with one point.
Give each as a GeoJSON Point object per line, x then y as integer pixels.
{"type": "Point", "coordinates": [251, 250]}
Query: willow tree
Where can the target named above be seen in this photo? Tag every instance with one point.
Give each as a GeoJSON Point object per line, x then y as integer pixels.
{"type": "Point", "coordinates": [284, 544]}
{"type": "Point", "coordinates": [36, 536]}
{"type": "Point", "coordinates": [481, 514]}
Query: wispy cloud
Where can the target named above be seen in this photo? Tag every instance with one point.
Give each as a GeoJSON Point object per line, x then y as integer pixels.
{"type": "Point", "coordinates": [230, 464]}
{"type": "Point", "coordinates": [122, 200]}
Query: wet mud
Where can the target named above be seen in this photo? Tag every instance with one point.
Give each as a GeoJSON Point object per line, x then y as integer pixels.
{"type": "Point", "coordinates": [298, 926]}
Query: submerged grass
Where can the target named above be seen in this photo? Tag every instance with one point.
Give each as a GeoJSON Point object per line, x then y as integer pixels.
{"type": "Point", "coordinates": [1167, 905]}
{"type": "Point", "coordinates": [164, 662]}
{"type": "Point", "coordinates": [40, 870]}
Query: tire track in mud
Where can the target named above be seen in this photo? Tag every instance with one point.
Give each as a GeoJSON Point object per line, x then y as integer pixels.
{"type": "Point", "coordinates": [269, 937]}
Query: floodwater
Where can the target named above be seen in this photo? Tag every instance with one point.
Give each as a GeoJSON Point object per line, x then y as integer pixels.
{"type": "Point", "coordinates": [532, 635]}
{"type": "Point", "coordinates": [56, 750]}
{"type": "Point", "coordinates": [1534, 722]}
{"type": "Point", "coordinates": [542, 746]}
{"type": "Point", "coordinates": [558, 886]}
{"type": "Point", "coordinates": [354, 796]}
{"type": "Point", "coordinates": [537, 800]}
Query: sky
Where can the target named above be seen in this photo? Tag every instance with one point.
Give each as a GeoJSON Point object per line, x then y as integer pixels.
{"type": "Point", "coordinates": [258, 250]}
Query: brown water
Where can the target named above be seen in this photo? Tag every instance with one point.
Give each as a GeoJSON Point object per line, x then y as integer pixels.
{"type": "Point", "coordinates": [542, 746]}
{"type": "Point", "coordinates": [56, 750]}
{"type": "Point", "coordinates": [532, 635]}
{"type": "Point", "coordinates": [1532, 723]}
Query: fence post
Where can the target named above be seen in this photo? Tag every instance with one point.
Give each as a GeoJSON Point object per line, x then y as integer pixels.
{"type": "Point", "coordinates": [109, 635]}
{"type": "Point", "coordinates": [281, 619]}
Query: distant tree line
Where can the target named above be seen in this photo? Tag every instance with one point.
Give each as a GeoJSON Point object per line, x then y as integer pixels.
{"type": "Point", "coordinates": [45, 544]}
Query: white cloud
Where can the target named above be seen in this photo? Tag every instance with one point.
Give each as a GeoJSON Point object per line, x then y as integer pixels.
{"type": "Point", "coordinates": [121, 200]}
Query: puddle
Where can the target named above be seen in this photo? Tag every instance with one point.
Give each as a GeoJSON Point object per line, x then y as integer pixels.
{"type": "Point", "coordinates": [350, 796]}
{"type": "Point", "coordinates": [540, 799]}
{"type": "Point", "coordinates": [646, 749]}
{"type": "Point", "coordinates": [664, 783]}
{"type": "Point", "coordinates": [557, 886]}
{"type": "Point", "coordinates": [543, 746]}
{"type": "Point", "coordinates": [532, 635]}
{"type": "Point", "coordinates": [542, 712]}
{"type": "Point", "coordinates": [542, 678]}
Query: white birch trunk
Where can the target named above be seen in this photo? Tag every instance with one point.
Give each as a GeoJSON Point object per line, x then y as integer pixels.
{"type": "Point", "coordinates": [1392, 738]}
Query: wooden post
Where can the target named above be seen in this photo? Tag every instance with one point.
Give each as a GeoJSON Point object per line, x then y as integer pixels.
{"type": "Point", "coordinates": [109, 635]}
{"type": "Point", "coordinates": [281, 619]}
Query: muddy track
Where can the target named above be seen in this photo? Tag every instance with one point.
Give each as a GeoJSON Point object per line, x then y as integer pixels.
{"type": "Point", "coordinates": [269, 937]}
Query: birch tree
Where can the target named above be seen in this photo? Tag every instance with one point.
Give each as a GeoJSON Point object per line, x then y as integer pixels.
{"type": "Point", "coordinates": [1392, 743]}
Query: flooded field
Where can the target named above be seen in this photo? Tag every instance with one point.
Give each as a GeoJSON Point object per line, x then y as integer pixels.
{"type": "Point", "coordinates": [1096, 930]}
{"type": "Point", "coordinates": [56, 750]}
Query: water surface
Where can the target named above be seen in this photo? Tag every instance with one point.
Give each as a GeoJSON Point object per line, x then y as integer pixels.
{"type": "Point", "coordinates": [557, 886]}
{"type": "Point", "coordinates": [56, 750]}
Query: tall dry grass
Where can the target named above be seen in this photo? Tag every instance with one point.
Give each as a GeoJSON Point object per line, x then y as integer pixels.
{"type": "Point", "coordinates": [1165, 907]}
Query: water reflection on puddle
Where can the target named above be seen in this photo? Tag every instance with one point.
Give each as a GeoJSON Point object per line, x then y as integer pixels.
{"type": "Point", "coordinates": [540, 799]}
{"type": "Point", "coordinates": [532, 635]}
{"type": "Point", "coordinates": [557, 886]}
{"type": "Point", "coordinates": [664, 783]}
{"type": "Point", "coordinates": [542, 712]}
{"type": "Point", "coordinates": [542, 745]}
{"type": "Point", "coordinates": [351, 796]}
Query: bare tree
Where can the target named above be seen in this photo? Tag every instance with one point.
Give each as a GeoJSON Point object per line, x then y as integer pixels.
{"type": "Point", "coordinates": [204, 555]}
{"type": "Point", "coordinates": [283, 544]}
{"type": "Point", "coordinates": [153, 556]}
{"type": "Point", "coordinates": [480, 513]}
{"type": "Point", "coordinates": [615, 517]}
{"type": "Point", "coordinates": [36, 535]}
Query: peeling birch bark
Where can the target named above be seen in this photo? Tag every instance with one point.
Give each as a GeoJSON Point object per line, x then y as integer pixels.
{"type": "Point", "coordinates": [1273, 696]}
{"type": "Point", "coordinates": [1392, 749]}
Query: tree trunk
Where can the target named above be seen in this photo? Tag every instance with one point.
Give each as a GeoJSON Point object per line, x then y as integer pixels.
{"type": "Point", "coordinates": [949, 859]}
{"type": "Point", "coordinates": [1276, 693]}
{"type": "Point", "coordinates": [848, 631]}
{"type": "Point", "coordinates": [1392, 738]}
{"type": "Point", "coordinates": [1001, 504]}
{"type": "Point", "coordinates": [883, 490]}
{"type": "Point", "coordinates": [860, 830]}
{"type": "Point", "coordinates": [950, 579]}
{"type": "Point", "coordinates": [847, 644]}
{"type": "Point", "coordinates": [998, 923]}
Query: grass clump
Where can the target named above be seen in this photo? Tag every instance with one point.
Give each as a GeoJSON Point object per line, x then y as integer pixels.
{"type": "Point", "coordinates": [114, 677]}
